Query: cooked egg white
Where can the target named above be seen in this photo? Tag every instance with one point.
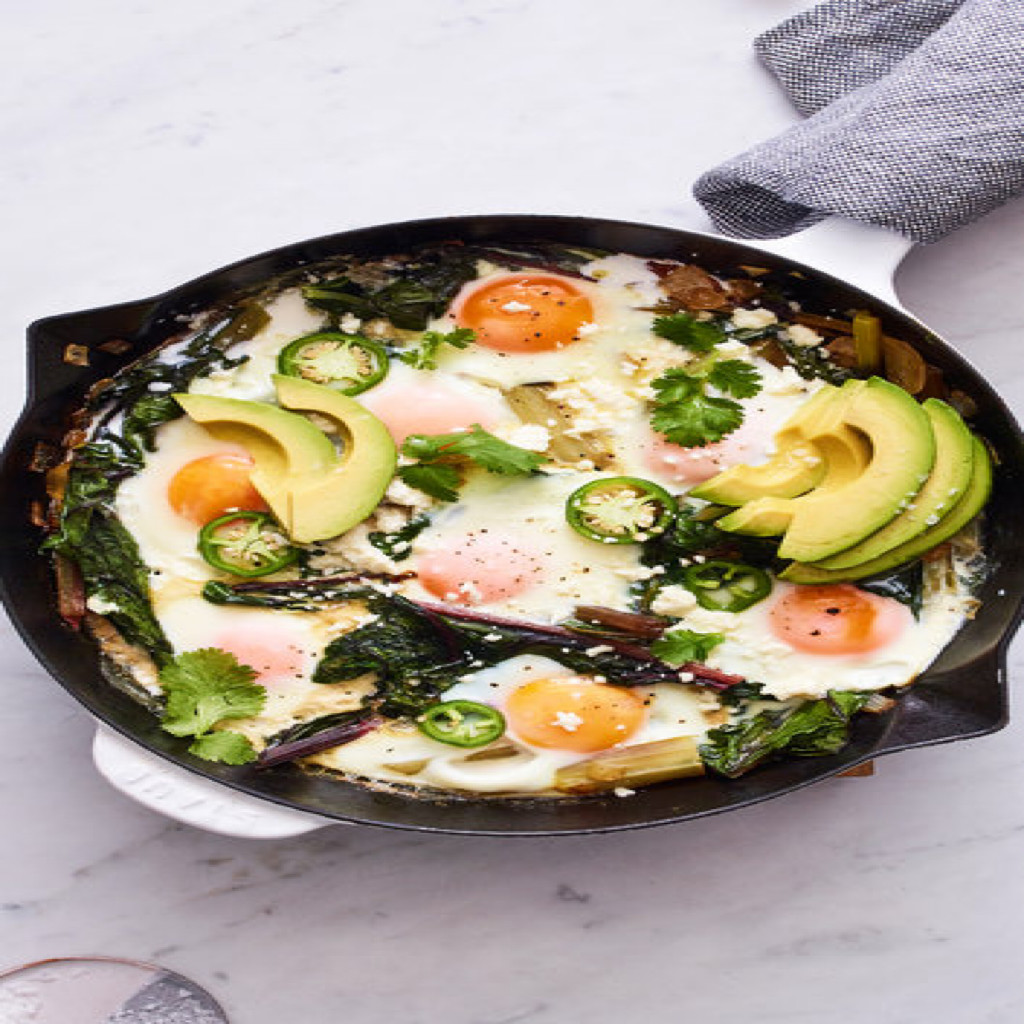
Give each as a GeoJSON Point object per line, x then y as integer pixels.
{"type": "Point", "coordinates": [510, 537]}
{"type": "Point", "coordinates": [510, 765]}
{"type": "Point", "coordinates": [168, 541]}
{"type": "Point", "coordinates": [624, 286]}
{"type": "Point", "coordinates": [752, 650]}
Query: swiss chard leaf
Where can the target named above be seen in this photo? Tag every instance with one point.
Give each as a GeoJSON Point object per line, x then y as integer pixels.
{"type": "Point", "coordinates": [815, 728]}
{"type": "Point", "coordinates": [414, 660]}
{"type": "Point", "coordinates": [397, 545]}
{"type": "Point", "coordinates": [420, 290]}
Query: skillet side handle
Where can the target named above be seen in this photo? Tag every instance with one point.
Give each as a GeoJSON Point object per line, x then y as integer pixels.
{"type": "Point", "coordinates": [939, 712]}
{"type": "Point", "coordinates": [190, 799]}
{"type": "Point", "coordinates": [863, 255]}
{"type": "Point", "coordinates": [120, 326]}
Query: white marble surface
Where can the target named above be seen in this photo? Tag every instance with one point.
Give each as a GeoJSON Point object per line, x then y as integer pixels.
{"type": "Point", "coordinates": [145, 142]}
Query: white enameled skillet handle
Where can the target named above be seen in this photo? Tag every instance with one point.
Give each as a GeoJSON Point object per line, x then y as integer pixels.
{"type": "Point", "coordinates": [176, 793]}
{"type": "Point", "coordinates": [860, 254]}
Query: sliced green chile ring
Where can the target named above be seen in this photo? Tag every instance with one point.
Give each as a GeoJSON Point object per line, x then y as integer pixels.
{"type": "Point", "coordinates": [462, 723]}
{"type": "Point", "coordinates": [246, 544]}
{"type": "Point", "coordinates": [349, 363]}
{"type": "Point", "coordinates": [727, 586]}
{"type": "Point", "coordinates": [620, 510]}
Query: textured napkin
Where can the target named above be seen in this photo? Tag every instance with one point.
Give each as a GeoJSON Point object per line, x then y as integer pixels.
{"type": "Point", "coordinates": [916, 120]}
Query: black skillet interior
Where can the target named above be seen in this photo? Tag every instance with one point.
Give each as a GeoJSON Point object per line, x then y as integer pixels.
{"type": "Point", "coordinates": [962, 695]}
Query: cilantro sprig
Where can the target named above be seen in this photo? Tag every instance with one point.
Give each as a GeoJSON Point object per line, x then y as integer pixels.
{"type": "Point", "coordinates": [205, 687]}
{"type": "Point", "coordinates": [424, 355]}
{"type": "Point", "coordinates": [681, 645]}
{"type": "Point", "coordinates": [699, 336]}
{"type": "Point", "coordinates": [687, 415]}
{"type": "Point", "coordinates": [436, 470]}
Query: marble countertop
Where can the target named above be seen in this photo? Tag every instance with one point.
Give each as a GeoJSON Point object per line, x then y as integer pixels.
{"type": "Point", "coordinates": [148, 142]}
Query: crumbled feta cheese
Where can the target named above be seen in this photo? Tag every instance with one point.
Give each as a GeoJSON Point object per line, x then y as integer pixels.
{"type": "Point", "coordinates": [354, 549]}
{"type": "Point", "coordinates": [686, 677]}
{"type": "Point", "coordinates": [639, 573]}
{"type": "Point", "coordinates": [400, 493]}
{"type": "Point", "coordinates": [101, 606]}
{"type": "Point", "coordinates": [531, 436]}
{"type": "Point", "coordinates": [785, 382]}
{"type": "Point", "coordinates": [595, 405]}
{"type": "Point", "coordinates": [732, 348]}
{"type": "Point", "coordinates": [350, 323]}
{"type": "Point", "coordinates": [803, 336]}
{"type": "Point", "coordinates": [567, 720]}
{"type": "Point", "coordinates": [751, 319]}
{"type": "Point", "coordinates": [593, 652]}
{"type": "Point", "coordinates": [673, 600]}
{"type": "Point", "coordinates": [516, 307]}
{"type": "Point", "coordinates": [160, 385]}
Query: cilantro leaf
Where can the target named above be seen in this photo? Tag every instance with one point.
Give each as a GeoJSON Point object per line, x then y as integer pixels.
{"type": "Point", "coordinates": [698, 421]}
{"type": "Point", "coordinates": [736, 378]}
{"type": "Point", "coordinates": [686, 330]}
{"type": "Point", "coordinates": [207, 686]}
{"type": "Point", "coordinates": [224, 746]}
{"type": "Point", "coordinates": [439, 481]}
{"type": "Point", "coordinates": [424, 356]}
{"type": "Point", "coordinates": [677, 385]}
{"type": "Point", "coordinates": [680, 645]}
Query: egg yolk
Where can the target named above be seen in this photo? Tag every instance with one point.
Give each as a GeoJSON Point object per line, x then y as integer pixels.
{"type": "Point", "coordinates": [837, 619]}
{"type": "Point", "coordinates": [573, 713]}
{"type": "Point", "coordinates": [479, 568]}
{"type": "Point", "coordinates": [274, 659]}
{"type": "Point", "coordinates": [525, 312]}
{"type": "Point", "coordinates": [418, 409]}
{"type": "Point", "coordinates": [213, 485]}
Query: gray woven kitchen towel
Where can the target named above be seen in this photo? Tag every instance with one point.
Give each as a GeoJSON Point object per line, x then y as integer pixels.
{"type": "Point", "coordinates": [917, 120]}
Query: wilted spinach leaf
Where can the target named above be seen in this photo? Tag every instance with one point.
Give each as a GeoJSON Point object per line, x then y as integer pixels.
{"type": "Point", "coordinates": [812, 729]}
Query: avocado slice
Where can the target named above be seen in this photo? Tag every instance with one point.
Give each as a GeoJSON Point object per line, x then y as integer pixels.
{"type": "Point", "coordinates": [283, 444]}
{"type": "Point", "coordinates": [314, 491]}
{"type": "Point", "coordinates": [813, 446]}
{"type": "Point", "coordinates": [954, 458]}
{"type": "Point", "coordinates": [790, 472]}
{"type": "Point", "coordinates": [849, 506]}
{"type": "Point", "coordinates": [969, 505]}
{"type": "Point", "coordinates": [328, 504]}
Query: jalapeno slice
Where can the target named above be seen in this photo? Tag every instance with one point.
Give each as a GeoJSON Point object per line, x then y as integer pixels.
{"type": "Point", "coordinates": [462, 723]}
{"type": "Point", "coordinates": [349, 363]}
{"type": "Point", "coordinates": [727, 586]}
{"type": "Point", "coordinates": [620, 510]}
{"type": "Point", "coordinates": [246, 544]}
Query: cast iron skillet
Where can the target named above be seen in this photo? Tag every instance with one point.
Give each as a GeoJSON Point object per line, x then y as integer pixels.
{"type": "Point", "coordinates": [962, 695]}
